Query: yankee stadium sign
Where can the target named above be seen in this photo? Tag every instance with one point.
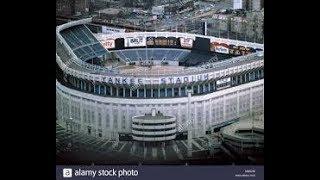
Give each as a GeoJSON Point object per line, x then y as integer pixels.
{"type": "Point", "coordinates": [131, 80]}
{"type": "Point", "coordinates": [162, 80]}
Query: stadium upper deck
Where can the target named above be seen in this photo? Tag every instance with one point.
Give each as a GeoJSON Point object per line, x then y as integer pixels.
{"type": "Point", "coordinates": [71, 56]}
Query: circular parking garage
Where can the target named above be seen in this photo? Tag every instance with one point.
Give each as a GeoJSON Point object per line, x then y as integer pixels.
{"type": "Point", "coordinates": [153, 127]}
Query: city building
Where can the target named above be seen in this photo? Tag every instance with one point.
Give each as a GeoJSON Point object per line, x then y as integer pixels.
{"type": "Point", "coordinates": [248, 5]}
{"type": "Point", "coordinates": [238, 4]}
{"type": "Point", "coordinates": [72, 7]}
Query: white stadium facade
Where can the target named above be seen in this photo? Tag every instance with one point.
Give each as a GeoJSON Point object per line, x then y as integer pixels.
{"type": "Point", "coordinates": [200, 82]}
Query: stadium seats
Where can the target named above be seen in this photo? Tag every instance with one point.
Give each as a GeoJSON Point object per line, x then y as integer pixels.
{"type": "Point", "coordinates": [83, 42]}
{"type": "Point", "coordinates": [199, 57]}
{"type": "Point", "coordinates": [184, 57]}
{"type": "Point", "coordinates": [158, 54]}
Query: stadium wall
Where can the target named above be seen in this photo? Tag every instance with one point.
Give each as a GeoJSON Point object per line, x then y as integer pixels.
{"type": "Point", "coordinates": [108, 117]}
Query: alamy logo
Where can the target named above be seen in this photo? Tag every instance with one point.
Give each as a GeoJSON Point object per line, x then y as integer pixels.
{"type": "Point", "coordinates": [67, 173]}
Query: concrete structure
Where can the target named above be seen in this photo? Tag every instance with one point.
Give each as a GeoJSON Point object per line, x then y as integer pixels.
{"type": "Point", "coordinates": [247, 134]}
{"type": "Point", "coordinates": [153, 127]}
{"type": "Point", "coordinates": [84, 106]}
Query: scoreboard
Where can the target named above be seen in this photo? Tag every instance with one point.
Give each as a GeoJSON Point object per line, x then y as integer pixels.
{"type": "Point", "coordinates": [240, 50]}
{"type": "Point", "coordinates": [162, 42]}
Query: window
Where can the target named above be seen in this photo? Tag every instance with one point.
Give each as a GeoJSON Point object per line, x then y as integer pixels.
{"type": "Point", "coordinates": [141, 93]}
{"type": "Point", "coordinates": [155, 93]}
{"type": "Point", "coordinates": [200, 89]}
{"type": "Point", "coordinates": [84, 85]}
{"type": "Point", "coordinates": [162, 93]}
{"type": "Point", "coordinates": [108, 93]}
{"type": "Point", "coordinates": [148, 93]}
{"type": "Point", "coordinates": [195, 89]}
{"type": "Point", "coordinates": [176, 92]}
{"type": "Point", "coordinates": [234, 80]}
{"type": "Point", "coordinates": [134, 93]}
{"type": "Point", "coordinates": [91, 87]}
{"type": "Point", "coordinates": [114, 91]}
{"type": "Point", "coordinates": [183, 91]}
{"type": "Point", "coordinates": [96, 89]}
{"type": "Point", "coordinates": [256, 74]}
{"type": "Point", "coordinates": [120, 92]}
{"type": "Point", "coordinates": [127, 94]}
{"type": "Point", "coordinates": [102, 90]}
{"type": "Point", "coordinates": [213, 87]}
{"type": "Point", "coordinates": [169, 92]}
{"type": "Point", "coordinates": [81, 85]}
{"type": "Point", "coordinates": [206, 88]}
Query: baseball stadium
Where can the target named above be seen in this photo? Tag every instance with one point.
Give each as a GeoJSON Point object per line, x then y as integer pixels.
{"type": "Point", "coordinates": [154, 96]}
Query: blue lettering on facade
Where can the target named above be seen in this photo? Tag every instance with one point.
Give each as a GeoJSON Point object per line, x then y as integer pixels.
{"type": "Point", "coordinates": [132, 81]}
{"type": "Point", "coordinates": [124, 81]}
{"type": "Point", "coordinates": [110, 81]}
{"type": "Point", "coordinates": [178, 81]}
{"type": "Point", "coordinates": [117, 81]}
{"type": "Point", "coordinates": [171, 80]}
{"type": "Point", "coordinates": [186, 79]}
{"type": "Point", "coordinates": [163, 80]}
{"type": "Point", "coordinates": [206, 76]}
{"type": "Point", "coordinates": [193, 79]}
{"type": "Point", "coordinates": [199, 78]}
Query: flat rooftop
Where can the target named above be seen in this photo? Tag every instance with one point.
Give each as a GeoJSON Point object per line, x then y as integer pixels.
{"type": "Point", "coordinates": [110, 11]}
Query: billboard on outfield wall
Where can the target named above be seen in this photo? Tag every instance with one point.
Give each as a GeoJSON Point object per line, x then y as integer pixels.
{"type": "Point", "coordinates": [135, 41]}
{"type": "Point", "coordinates": [162, 42]}
{"type": "Point", "coordinates": [150, 41]}
{"type": "Point", "coordinates": [186, 42]}
{"type": "Point", "coordinates": [219, 47]}
{"type": "Point", "coordinates": [240, 50]}
{"type": "Point", "coordinates": [108, 43]}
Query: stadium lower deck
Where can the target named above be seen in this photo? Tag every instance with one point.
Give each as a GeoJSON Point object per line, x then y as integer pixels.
{"type": "Point", "coordinates": [73, 148]}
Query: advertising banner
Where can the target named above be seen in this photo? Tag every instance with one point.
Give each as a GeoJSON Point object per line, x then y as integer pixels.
{"type": "Point", "coordinates": [239, 50]}
{"type": "Point", "coordinates": [219, 47]}
{"type": "Point", "coordinates": [150, 41]}
{"type": "Point", "coordinates": [162, 41]}
{"type": "Point", "coordinates": [135, 41]}
{"type": "Point", "coordinates": [186, 42]}
{"type": "Point", "coordinates": [108, 43]}
{"type": "Point", "coordinates": [234, 50]}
